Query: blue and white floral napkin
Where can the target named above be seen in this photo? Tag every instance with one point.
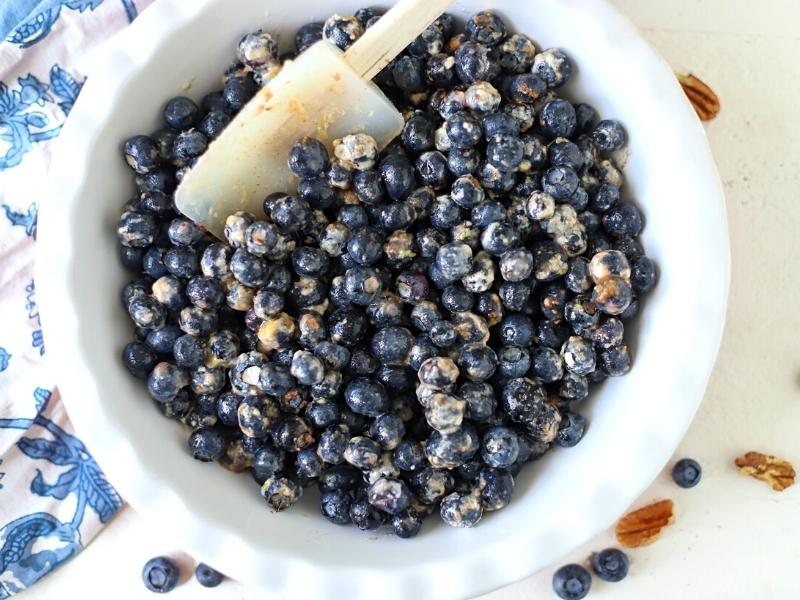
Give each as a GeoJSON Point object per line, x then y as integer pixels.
{"type": "Point", "coordinates": [53, 496]}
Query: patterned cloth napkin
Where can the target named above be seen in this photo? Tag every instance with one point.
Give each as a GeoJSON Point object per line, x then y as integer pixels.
{"type": "Point", "coordinates": [53, 496]}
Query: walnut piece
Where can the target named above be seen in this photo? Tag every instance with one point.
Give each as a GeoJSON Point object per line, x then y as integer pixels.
{"type": "Point", "coordinates": [776, 472]}
{"type": "Point", "coordinates": [642, 527]}
{"type": "Point", "coordinates": [702, 97]}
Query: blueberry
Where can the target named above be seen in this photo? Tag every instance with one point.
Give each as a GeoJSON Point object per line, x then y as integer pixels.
{"type": "Point", "coordinates": [496, 487]}
{"type": "Point", "coordinates": [388, 430]}
{"type": "Point", "coordinates": [608, 136]}
{"type": "Point", "coordinates": [473, 62]}
{"type": "Point", "coordinates": [335, 506]}
{"type": "Point", "coordinates": [482, 97]}
{"type": "Point", "coordinates": [486, 27]}
{"type": "Point", "coordinates": [463, 130]}
{"type": "Point", "coordinates": [238, 91]}
{"type": "Point", "coordinates": [643, 275]}
{"type": "Point", "coordinates": [445, 214]}
{"type": "Point", "coordinates": [308, 158]}
{"type": "Point", "coordinates": [623, 219]}
{"type": "Point", "coordinates": [391, 345]}
{"type": "Point", "coordinates": [307, 35]}
{"type": "Point", "coordinates": [610, 564]}
{"type": "Point", "coordinates": [147, 312]}
{"type": "Point", "coordinates": [366, 397]}
{"type": "Point", "coordinates": [480, 399]}
{"type": "Point", "coordinates": [136, 229]}
{"type": "Point", "coordinates": [214, 123]}
{"type": "Point", "coordinates": [560, 182]}
{"type": "Point", "coordinates": [160, 575]}
{"type": "Point", "coordinates": [339, 477]}
{"type": "Point", "coordinates": [616, 361]}
{"type": "Point", "coordinates": [189, 144]}
{"type": "Point", "coordinates": [499, 447]}
{"type": "Point", "coordinates": [505, 152]}
{"type": "Point", "coordinates": [429, 241]}
{"type": "Point", "coordinates": [449, 450]}
{"type": "Point", "coordinates": [578, 355]}
{"type": "Point", "coordinates": [571, 430]}
{"type": "Point", "coordinates": [398, 176]}
{"type": "Point", "coordinates": [552, 65]}
{"type": "Point", "coordinates": [498, 238]}
{"type": "Point", "coordinates": [180, 113]}
{"type": "Point", "coordinates": [574, 387]}
{"type": "Point", "coordinates": [390, 495]}
{"type": "Point", "coordinates": [409, 456]}
{"type": "Point", "coordinates": [365, 246]}
{"type": "Point", "coordinates": [139, 359]}
{"type": "Point", "coordinates": [517, 53]}
{"type": "Point", "coordinates": [342, 30]}
{"type": "Point", "coordinates": [408, 73]}
{"type": "Point", "coordinates": [432, 168]}
{"type": "Point", "coordinates": [549, 261]}
{"type": "Point", "coordinates": [406, 524]}
{"type": "Point", "coordinates": [686, 473]}
{"type": "Point", "coordinates": [513, 362]}
{"type": "Point", "coordinates": [226, 406]}
{"type": "Point", "coordinates": [585, 116]}
{"type": "Point", "coordinates": [467, 192]}
{"type": "Point", "coordinates": [498, 123]}
{"type": "Point", "coordinates": [141, 153]}
{"type": "Point", "coordinates": [364, 515]}
{"type": "Point", "coordinates": [516, 329]}
{"type": "Point", "coordinates": [496, 180]}
{"type": "Point", "coordinates": [440, 71]}
{"type": "Point", "coordinates": [131, 258]}
{"type": "Point", "coordinates": [572, 582]}
{"type": "Point", "coordinates": [456, 299]}
{"type": "Point", "coordinates": [522, 399]}
{"type": "Point", "coordinates": [206, 444]}
{"type": "Point", "coordinates": [487, 212]}
{"type": "Point", "coordinates": [267, 462]}
{"type": "Point", "coordinates": [477, 361]}
{"type": "Point", "coordinates": [189, 351]}
{"type": "Point", "coordinates": [293, 434]}
{"type": "Point", "coordinates": [461, 510]}
{"type": "Point", "coordinates": [526, 88]}
{"type": "Point", "coordinates": [291, 213]}
{"type": "Point", "coordinates": [557, 119]}
{"type": "Point", "coordinates": [463, 161]}
{"type": "Point", "coordinates": [206, 576]}
{"type": "Point", "coordinates": [514, 295]}
{"type": "Point", "coordinates": [548, 365]}
{"type": "Point", "coordinates": [612, 295]}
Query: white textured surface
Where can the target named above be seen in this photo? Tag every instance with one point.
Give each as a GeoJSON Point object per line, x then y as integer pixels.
{"type": "Point", "coordinates": [734, 537]}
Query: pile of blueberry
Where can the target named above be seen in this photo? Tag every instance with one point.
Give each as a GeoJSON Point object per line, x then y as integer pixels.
{"type": "Point", "coordinates": [408, 327]}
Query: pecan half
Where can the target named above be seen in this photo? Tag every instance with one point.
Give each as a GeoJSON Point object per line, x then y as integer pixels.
{"type": "Point", "coordinates": [776, 472]}
{"type": "Point", "coordinates": [702, 97]}
{"type": "Point", "coordinates": [642, 527]}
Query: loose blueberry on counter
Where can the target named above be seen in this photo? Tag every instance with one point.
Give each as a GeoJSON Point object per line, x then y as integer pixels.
{"type": "Point", "coordinates": [206, 576]}
{"type": "Point", "coordinates": [572, 582]}
{"type": "Point", "coordinates": [687, 473]}
{"type": "Point", "coordinates": [160, 575]}
{"type": "Point", "coordinates": [610, 565]}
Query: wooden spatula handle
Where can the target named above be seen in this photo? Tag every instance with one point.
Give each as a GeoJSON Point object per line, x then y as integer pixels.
{"type": "Point", "coordinates": [391, 33]}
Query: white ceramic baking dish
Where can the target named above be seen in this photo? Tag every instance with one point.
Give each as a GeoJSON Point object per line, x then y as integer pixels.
{"type": "Point", "coordinates": [561, 501]}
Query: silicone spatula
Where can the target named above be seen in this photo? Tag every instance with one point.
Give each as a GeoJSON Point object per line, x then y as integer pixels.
{"type": "Point", "coordinates": [324, 93]}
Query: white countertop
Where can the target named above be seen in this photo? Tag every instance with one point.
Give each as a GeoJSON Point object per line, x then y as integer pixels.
{"type": "Point", "coordinates": [734, 537]}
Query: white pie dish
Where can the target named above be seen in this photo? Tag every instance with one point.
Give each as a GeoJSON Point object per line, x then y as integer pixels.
{"type": "Point", "coordinates": [561, 501]}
